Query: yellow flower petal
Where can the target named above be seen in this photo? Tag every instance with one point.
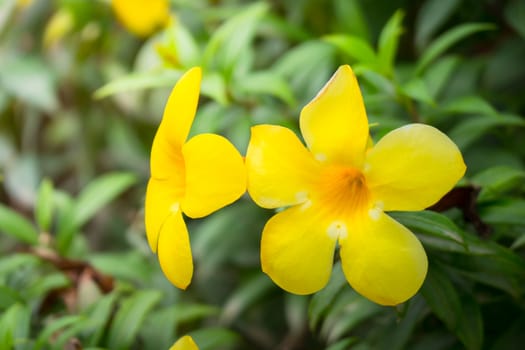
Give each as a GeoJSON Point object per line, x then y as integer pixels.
{"type": "Point", "coordinates": [166, 157]}
{"type": "Point", "coordinates": [215, 174]}
{"type": "Point", "coordinates": [334, 124]}
{"type": "Point", "coordinates": [142, 17]}
{"type": "Point", "coordinates": [280, 169]}
{"type": "Point", "coordinates": [412, 167]}
{"type": "Point", "coordinates": [162, 197]}
{"type": "Point", "coordinates": [383, 260]}
{"type": "Point", "coordinates": [174, 251]}
{"type": "Point", "coordinates": [185, 343]}
{"type": "Point", "coordinates": [297, 249]}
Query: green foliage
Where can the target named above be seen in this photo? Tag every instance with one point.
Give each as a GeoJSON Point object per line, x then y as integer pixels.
{"type": "Point", "coordinates": [78, 114]}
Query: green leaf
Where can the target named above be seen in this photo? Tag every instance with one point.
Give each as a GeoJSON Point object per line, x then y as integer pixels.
{"type": "Point", "coordinates": [418, 91]}
{"type": "Point", "coordinates": [470, 329]}
{"type": "Point", "coordinates": [66, 227]}
{"type": "Point", "coordinates": [388, 42]}
{"type": "Point", "coordinates": [447, 40]}
{"type": "Point", "coordinates": [41, 286]}
{"type": "Point", "coordinates": [442, 297]}
{"type": "Point", "coordinates": [99, 193]}
{"type": "Point", "coordinates": [30, 80]}
{"type": "Point", "coordinates": [13, 262]}
{"type": "Point", "coordinates": [439, 73]}
{"type": "Point", "coordinates": [44, 205]}
{"type": "Point", "coordinates": [98, 318]}
{"type": "Point", "coordinates": [54, 327]}
{"type": "Point", "coordinates": [323, 300]}
{"type": "Point", "coordinates": [8, 297]}
{"type": "Point", "coordinates": [139, 81]}
{"type": "Point", "coordinates": [355, 47]}
{"type": "Point", "coordinates": [468, 130]}
{"type": "Point", "coordinates": [232, 38]}
{"type": "Point", "coordinates": [128, 265]}
{"type": "Point", "coordinates": [249, 293]}
{"type": "Point", "coordinates": [497, 180]}
{"type": "Point", "coordinates": [266, 83]}
{"type": "Point", "coordinates": [16, 226]}
{"type": "Point", "coordinates": [432, 15]}
{"type": "Point", "coordinates": [129, 318]}
{"type": "Point", "coordinates": [469, 105]}
{"type": "Point", "coordinates": [435, 230]}
{"type": "Point", "coordinates": [183, 44]}
{"type": "Point", "coordinates": [515, 15]}
{"type": "Point", "coordinates": [215, 338]}
{"type": "Point", "coordinates": [504, 212]}
{"type": "Point", "coordinates": [14, 326]}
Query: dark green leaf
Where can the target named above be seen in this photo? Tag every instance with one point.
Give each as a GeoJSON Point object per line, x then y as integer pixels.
{"type": "Point", "coordinates": [447, 40]}
{"type": "Point", "coordinates": [418, 91]}
{"type": "Point", "coordinates": [468, 130]}
{"type": "Point", "coordinates": [469, 105]}
{"type": "Point", "coordinates": [432, 15]}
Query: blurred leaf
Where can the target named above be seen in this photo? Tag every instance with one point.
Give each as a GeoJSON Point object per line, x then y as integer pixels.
{"type": "Point", "coordinates": [53, 328]}
{"type": "Point", "coordinates": [14, 326]}
{"type": "Point", "coordinates": [470, 329]}
{"type": "Point", "coordinates": [66, 227]}
{"type": "Point", "coordinates": [139, 81]}
{"type": "Point", "coordinates": [249, 293]}
{"type": "Point", "coordinates": [418, 91]}
{"type": "Point", "coordinates": [447, 40]}
{"type": "Point", "coordinates": [442, 297]}
{"type": "Point", "coordinates": [98, 317]}
{"type": "Point", "coordinates": [388, 42]}
{"type": "Point", "coordinates": [343, 344]}
{"type": "Point", "coordinates": [182, 44]}
{"type": "Point", "coordinates": [266, 83]}
{"type": "Point", "coordinates": [44, 205]}
{"type": "Point", "coordinates": [21, 179]}
{"type": "Point", "coordinates": [128, 265]}
{"type": "Point", "coordinates": [46, 283]}
{"type": "Point", "coordinates": [7, 8]}
{"type": "Point", "coordinates": [497, 180]}
{"type": "Point", "coordinates": [515, 15]}
{"type": "Point", "coordinates": [14, 262]}
{"type": "Point", "coordinates": [99, 193]}
{"type": "Point", "coordinates": [307, 66]}
{"type": "Point", "coordinates": [355, 47]}
{"type": "Point", "coordinates": [377, 80]}
{"type": "Point", "coordinates": [129, 318]}
{"type": "Point", "coordinates": [30, 80]}
{"type": "Point", "coordinates": [8, 297]}
{"type": "Point", "coordinates": [469, 105]}
{"type": "Point", "coordinates": [228, 42]}
{"type": "Point", "coordinates": [351, 17]}
{"type": "Point", "coordinates": [324, 299]}
{"type": "Point", "coordinates": [16, 226]}
{"type": "Point", "coordinates": [438, 74]}
{"type": "Point", "coordinates": [468, 130]}
{"type": "Point", "coordinates": [432, 15]}
{"type": "Point", "coordinates": [504, 212]}
{"type": "Point", "coordinates": [213, 338]}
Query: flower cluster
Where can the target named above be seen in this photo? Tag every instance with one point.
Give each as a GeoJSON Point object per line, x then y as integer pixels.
{"type": "Point", "coordinates": [334, 191]}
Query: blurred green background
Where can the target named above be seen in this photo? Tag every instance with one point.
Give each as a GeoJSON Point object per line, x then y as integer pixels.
{"type": "Point", "coordinates": [81, 98]}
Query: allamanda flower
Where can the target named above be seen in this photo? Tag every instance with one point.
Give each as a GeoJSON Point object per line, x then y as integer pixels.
{"type": "Point", "coordinates": [194, 177]}
{"type": "Point", "coordinates": [142, 17]}
{"type": "Point", "coordinates": [337, 192]}
{"type": "Point", "coordinates": [185, 343]}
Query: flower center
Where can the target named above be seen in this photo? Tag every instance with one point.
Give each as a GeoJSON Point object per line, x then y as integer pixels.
{"type": "Point", "coordinates": [343, 191]}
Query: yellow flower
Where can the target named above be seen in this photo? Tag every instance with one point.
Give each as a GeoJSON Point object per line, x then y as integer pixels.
{"type": "Point", "coordinates": [337, 191]}
{"type": "Point", "coordinates": [194, 177]}
{"type": "Point", "coordinates": [185, 343]}
{"type": "Point", "coordinates": [142, 17]}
